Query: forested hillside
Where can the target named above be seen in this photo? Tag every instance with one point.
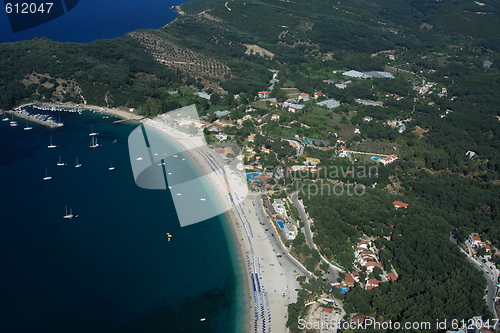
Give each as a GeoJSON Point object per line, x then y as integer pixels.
{"type": "Point", "coordinates": [434, 274]}
{"type": "Point", "coordinates": [119, 68]}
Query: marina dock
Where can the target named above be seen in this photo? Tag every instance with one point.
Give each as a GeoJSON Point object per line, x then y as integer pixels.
{"type": "Point", "coordinates": [50, 123]}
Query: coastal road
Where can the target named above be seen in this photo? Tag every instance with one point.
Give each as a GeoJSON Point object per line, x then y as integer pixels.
{"type": "Point", "coordinates": [286, 260]}
{"type": "Point", "coordinates": [333, 270]}
{"type": "Point", "coordinates": [490, 281]}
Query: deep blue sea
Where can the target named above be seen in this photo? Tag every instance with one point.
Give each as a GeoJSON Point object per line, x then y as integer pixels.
{"type": "Point", "coordinates": [112, 268]}
{"type": "Point", "coordinates": [95, 19]}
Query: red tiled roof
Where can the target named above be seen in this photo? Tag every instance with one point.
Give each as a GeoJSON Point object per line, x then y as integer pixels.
{"type": "Point", "coordinates": [329, 310]}
{"type": "Point", "coordinates": [400, 204]}
{"type": "Point", "coordinates": [392, 276]}
{"type": "Point", "coordinates": [264, 177]}
{"type": "Point", "coordinates": [269, 186]}
{"type": "Point", "coordinates": [372, 263]}
{"type": "Point", "coordinates": [310, 298]}
{"type": "Point", "coordinates": [349, 278]}
{"type": "Point", "coordinates": [374, 281]}
{"type": "Point", "coordinates": [359, 318]}
{"type": "Point", "coordinates": [371, 287]}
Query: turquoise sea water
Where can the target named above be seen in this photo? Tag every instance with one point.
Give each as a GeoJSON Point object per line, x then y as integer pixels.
{"type": "Point", "coordinates": [112, 268]}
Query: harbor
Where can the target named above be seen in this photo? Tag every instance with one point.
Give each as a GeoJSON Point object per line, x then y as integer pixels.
{"type": "Point", "coordinates": [39, 119]}
{"type": "Point", "coordinates": [36, 113]}
{"type": "Point", "coordinates": [39, 113]}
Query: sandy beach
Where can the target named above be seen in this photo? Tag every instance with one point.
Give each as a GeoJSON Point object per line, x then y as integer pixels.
{"type": "Point", "coordinates": [266, 280]}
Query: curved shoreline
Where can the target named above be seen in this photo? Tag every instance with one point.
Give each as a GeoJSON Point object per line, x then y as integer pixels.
{"type": "Point", "coordinates": [263, 271]}
{"type": "Point", "coordinates": [254, 256]}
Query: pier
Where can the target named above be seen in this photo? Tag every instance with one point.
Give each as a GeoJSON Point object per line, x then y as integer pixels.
{"type": "Point", "coordinates": [44, 122]}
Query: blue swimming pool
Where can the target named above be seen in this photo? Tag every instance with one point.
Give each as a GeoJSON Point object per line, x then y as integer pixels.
{"type": "Point", "coordinates": [375, 158]}
{"type": "Point", "coordinates": [252, 175]}
{"type": "Point", "coordinates": [281, 224]}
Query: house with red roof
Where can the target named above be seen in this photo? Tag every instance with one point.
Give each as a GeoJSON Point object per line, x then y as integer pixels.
{"type": "Point", "coordinates": [474, 242]}
{"type": "Point", "coordinates": [318, 94]}
{"type": "Point", "coordinates": [264, 94]}
{"type": "Point", "coordinates": [349, 280]}
{"type": "Point", "coordinates": [388, 160]}
{"type": "Point", "coordinates": [359, 318]}
{"type": "Point", "coordinates": [304, 97]}
{"type": "Point", "coordinates": [343, 151]}
{"type": "Point", "coordinates": [393, 277]}
{"type": "Point", "coordinates": [327, 310]}
{"type": "Point", "coordinates": [398, 204]}
{"type": "Point", "coordinates": [373, 283]}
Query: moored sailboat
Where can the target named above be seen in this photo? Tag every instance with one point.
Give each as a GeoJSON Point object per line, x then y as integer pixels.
{"type": "Point", "coordinates": [27, 128]}
{"type": "Point", "coordinates": [51, 144]}
{"type": "Point", "coordinates": [60, 163]}
{"type": "Point", "coordinates": [92, 133]}
{"type": "Point", "coordinates": [46, 176]}
{"type": "Point", "coordinates": [68, 216]}
{"type": "Point", "coordinates": [93, 143]}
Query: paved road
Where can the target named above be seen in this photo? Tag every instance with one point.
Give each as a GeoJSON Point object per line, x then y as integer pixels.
{"type": "Point", "coordinates": [288, 263]}
{"type": "Point", "coordinates": [333, 271]}
{"type": "Point", "coordinates": [303, 216]}
{"type": "Point", "coordinates": [491, 284]}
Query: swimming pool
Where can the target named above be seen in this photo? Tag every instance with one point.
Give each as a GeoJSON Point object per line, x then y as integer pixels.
{"type": "Point", "coordinates": [375, 158]}
{"type": "Point", "coordinates": [281, 224]}
{"type": "Point", "coordinates": [252, 175]}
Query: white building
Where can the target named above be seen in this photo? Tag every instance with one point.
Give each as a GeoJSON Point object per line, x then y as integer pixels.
{"type": "Point", "coordinates": [279, 206]}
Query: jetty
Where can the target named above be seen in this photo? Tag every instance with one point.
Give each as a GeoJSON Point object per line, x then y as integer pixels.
{"type": "Point", "coordinates": [37, 119]}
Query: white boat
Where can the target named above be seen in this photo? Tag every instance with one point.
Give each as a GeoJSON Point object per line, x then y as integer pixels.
{"type": "Point", "coordinates": [175, 156]}
{"type": "Point", "coordinates": [13, 123]}
{"type": "Point", "coordinates": [77, 165]}
{"type": "Point", "coordinates": [5, 119]}
{"type": "Point", "coordinates": [179, 194]}
{"type": "Point", "coordinates": [111, 167]}
{"type": "Point", "coordinates": [203, 199]}
{"type": "Point", "coordinates": [51, 145]}
{"type": "Point", "coordinates": [60, 163]}
{"type": "Point", "coordinates": [46, 176]}
{"type": "Point", "coordinates": [27, 128]}
{"type": "Point", "coordinates": [68, 216]}
{"type": "Point", "coordinates": [203, 319]}
{"type": "Point", "coordinates": [169, 173]}
{"type": "Point", "coordinates": [139, 158]}
{"type": "Point", "coordinates": [92, 133]}
{"type": "Point", "coordinates": [93, 143]}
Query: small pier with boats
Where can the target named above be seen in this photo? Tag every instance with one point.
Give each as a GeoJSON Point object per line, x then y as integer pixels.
{"type": "Point", "coordinates": [35, 113]}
